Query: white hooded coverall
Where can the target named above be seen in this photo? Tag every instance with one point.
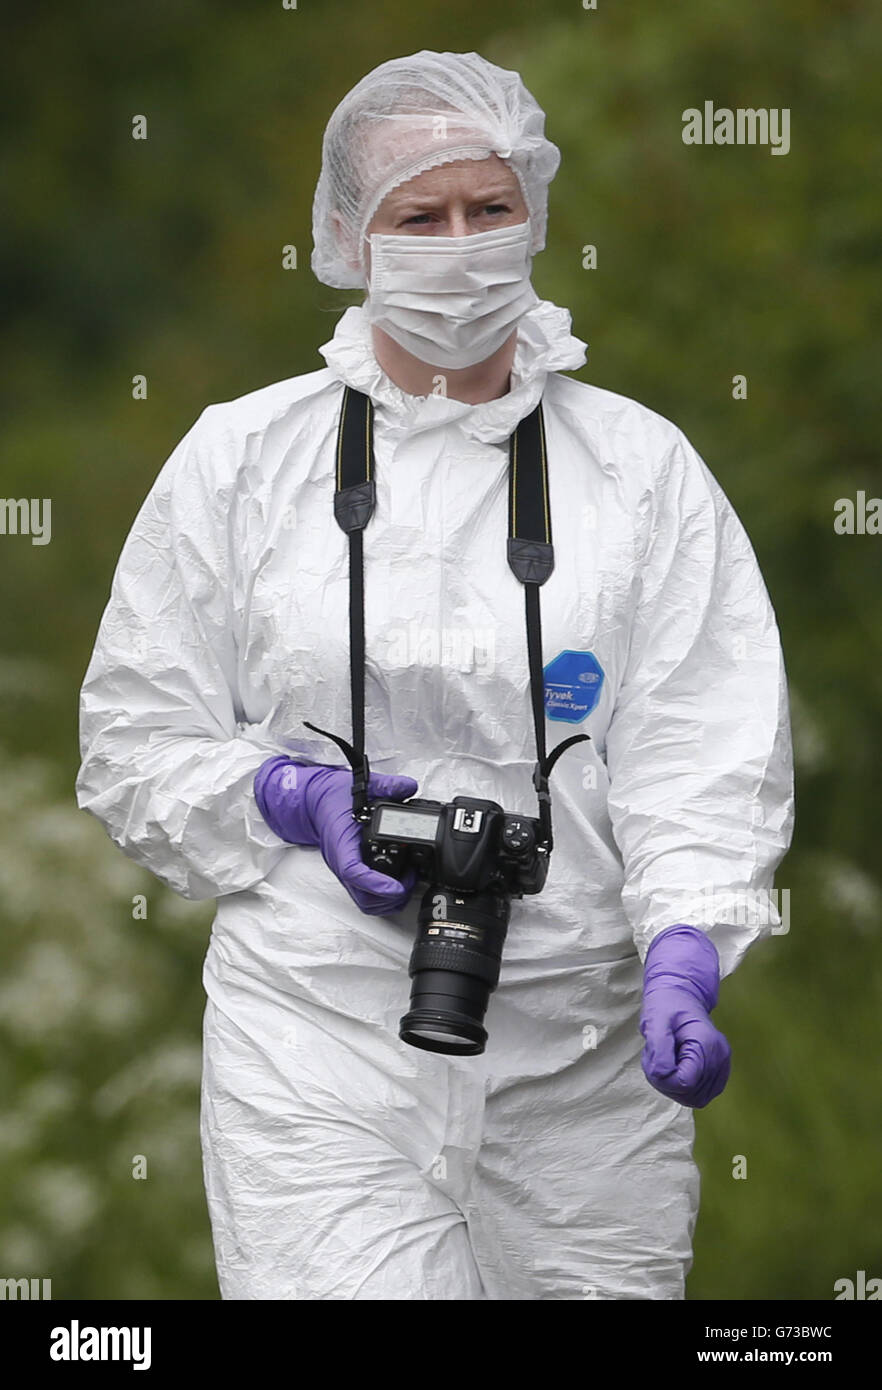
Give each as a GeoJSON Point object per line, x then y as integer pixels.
{"type": "Point", "coordinates": [339, 1162]}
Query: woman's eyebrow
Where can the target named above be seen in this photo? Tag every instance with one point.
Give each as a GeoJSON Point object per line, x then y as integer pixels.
{"type": "Point", "coordinates": [433, 199]}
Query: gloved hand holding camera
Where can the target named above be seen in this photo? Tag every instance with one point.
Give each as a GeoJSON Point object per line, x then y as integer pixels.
{"type": "Point", "coordinates": [308, 805]}
{"type": "Point", "coordinates": [473, 856]}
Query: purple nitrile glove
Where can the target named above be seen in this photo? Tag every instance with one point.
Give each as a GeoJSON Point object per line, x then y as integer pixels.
{"type": "Point", "coordinates": [685, 1056]}
{"type": "Point", "coordinates": [313, 806]}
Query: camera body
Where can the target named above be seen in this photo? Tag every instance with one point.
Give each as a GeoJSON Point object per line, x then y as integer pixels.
{"type": "Point", "coordinates": [468, 845]}
{"type": "Point", "coordinates": [476, 858]}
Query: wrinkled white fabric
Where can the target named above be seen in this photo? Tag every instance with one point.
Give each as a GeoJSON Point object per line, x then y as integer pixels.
{"type": "Point", "coordinates": [451, 301]}
{"type": "Point", "coordinates": [339, 1162]}
{"type": "Point", "coordinates": [411, 114]}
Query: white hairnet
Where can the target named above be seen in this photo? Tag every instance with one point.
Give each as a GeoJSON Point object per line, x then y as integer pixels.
{"type": "Point", "coordinates": [406, 116]}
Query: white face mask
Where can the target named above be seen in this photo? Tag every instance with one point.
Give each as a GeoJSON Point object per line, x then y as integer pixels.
{"type": "Point", "coordinates": [451, 301]}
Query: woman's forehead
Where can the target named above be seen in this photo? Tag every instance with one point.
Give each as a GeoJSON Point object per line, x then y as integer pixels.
{"type": "Point", "coordinates": [468, 177]}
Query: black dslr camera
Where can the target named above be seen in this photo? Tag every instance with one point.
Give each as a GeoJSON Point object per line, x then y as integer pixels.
{"type": "Point", "coordinates": [475, 858]}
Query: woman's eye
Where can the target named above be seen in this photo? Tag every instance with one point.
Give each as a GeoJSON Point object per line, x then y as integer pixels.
{"type": "Point", "coordinates": [422, 218]}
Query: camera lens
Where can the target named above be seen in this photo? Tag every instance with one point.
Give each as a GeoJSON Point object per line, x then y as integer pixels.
{"type": "Point", "coordinates": [454, 967]}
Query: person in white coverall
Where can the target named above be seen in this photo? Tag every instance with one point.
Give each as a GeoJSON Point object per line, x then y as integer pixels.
{"type": "Point", "coordinates": [339, 1162]}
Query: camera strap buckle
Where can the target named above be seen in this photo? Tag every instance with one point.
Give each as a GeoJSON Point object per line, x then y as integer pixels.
{"type": "Point", "coordinates": [540, 782]}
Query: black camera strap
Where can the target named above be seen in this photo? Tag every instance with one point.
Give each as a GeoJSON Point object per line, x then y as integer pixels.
{"type": "Point", "coordinates": [530, 556]}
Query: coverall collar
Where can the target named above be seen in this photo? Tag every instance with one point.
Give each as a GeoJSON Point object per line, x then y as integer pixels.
{"type": "Point", "coordinates": [544, 344]}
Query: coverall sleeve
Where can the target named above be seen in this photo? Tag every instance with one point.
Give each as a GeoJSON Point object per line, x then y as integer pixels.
{"type": "Point", "coordinates": [167, 761]}
{"type": "Point", "coordinates": [698, 748]}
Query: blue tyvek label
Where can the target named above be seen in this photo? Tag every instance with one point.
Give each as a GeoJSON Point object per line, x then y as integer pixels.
{"type": "Point", "coordinates": [573, 682]}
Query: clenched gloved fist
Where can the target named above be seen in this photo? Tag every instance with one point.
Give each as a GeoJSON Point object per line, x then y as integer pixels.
{"type": "Point", "coordinates": [313, 806]}
{"type": "Point", "coordinates": [685, 1056]}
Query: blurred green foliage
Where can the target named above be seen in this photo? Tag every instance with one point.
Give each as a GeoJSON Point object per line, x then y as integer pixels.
{"type": "Point", "coordinates": [164, 257]}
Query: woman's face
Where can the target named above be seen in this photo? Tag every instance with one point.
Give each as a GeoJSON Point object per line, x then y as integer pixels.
{"type": "Point", "coordinates": [456, 199]}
